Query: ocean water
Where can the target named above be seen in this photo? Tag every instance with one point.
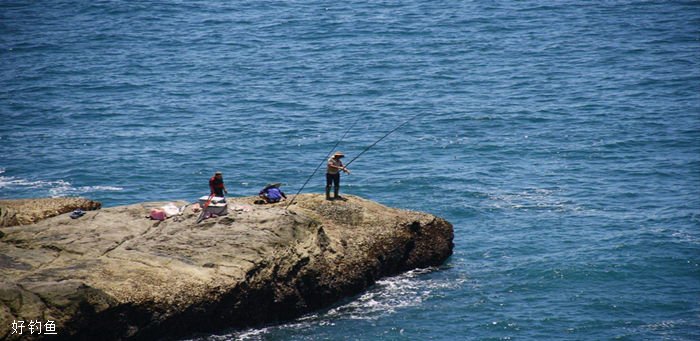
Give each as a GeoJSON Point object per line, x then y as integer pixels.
{"type": "Point", "coordinates": [562, 140]}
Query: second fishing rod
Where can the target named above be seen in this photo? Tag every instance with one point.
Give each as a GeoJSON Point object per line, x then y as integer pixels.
{"type": "Point", "coordinates": [382, 138]}
{"type": "Point", "coordinates": [356, 157]}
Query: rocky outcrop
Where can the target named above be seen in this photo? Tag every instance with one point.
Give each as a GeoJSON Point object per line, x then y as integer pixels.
{"type": "Point", "coordinates": [29, 211]}
{"type": "Point", "coordinates": [113, 274]}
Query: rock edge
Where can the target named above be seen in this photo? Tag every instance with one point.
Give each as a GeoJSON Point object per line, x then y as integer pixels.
{"type": "Point", "coordinates": [113, 274]}
{"type": "Point", "coordinates": [29, 211]}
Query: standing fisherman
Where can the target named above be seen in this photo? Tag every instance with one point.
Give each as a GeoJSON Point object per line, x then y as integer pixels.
{"type": "Point", "coordinates": [216, 185]}
{"type": "Point", "coordinates": [333, 175]}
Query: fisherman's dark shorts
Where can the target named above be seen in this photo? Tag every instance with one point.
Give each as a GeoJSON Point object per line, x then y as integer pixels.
{"type": "Point", "coordinates": [333, 178]}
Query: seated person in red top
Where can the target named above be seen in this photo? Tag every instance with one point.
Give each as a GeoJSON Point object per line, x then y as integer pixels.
{"type": "Point", "coordinates": [272, 193]}
{"type": "Point", "coordinates": [216, 185]}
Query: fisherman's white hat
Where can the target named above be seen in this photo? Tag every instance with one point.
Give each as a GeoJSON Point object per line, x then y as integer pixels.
{"type": "Point", "coordinates": [338, 154]}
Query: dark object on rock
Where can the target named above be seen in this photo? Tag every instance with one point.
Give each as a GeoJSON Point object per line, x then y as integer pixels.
{"type": "Point", "coordinates": [117, 276]}
{"type": "Point", "coordinates": [77, 214]}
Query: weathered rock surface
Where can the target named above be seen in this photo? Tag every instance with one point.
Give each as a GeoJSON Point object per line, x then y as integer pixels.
{"type": "Point", "coordinates": [29, 211]}
{"type": "Point", "coordinates": [113, 274]}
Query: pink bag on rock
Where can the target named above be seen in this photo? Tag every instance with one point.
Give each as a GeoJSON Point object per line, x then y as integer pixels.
{"type": "Point", "coordinates": [157, 214]}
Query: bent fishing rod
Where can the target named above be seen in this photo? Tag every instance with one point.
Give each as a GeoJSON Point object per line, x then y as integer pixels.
{"type": "Point", "coordinates": [355, 158]}
{"type": "Point", "coordinates": [322, 161]}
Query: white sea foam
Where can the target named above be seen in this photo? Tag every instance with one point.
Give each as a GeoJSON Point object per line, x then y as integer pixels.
{"type": "Point", "coordinates": [13, 182]}
{"type": "Point", "coordinates": [58, 188]}
{"type": "Point", "coordinates": [386, 297]}
{"type": "Point", "coordinates": [391, 294]}
{"type": "Point", "coordinates": [533, 199]}
{"type": "Point", "coordinates": [67, 189]}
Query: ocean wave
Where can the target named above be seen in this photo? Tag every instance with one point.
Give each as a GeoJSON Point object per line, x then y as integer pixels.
{"type": "Point", "coordinates": [11, 182]}
{"type": "Point", "coordinates": [57, 188]}
{"type": "Point", "coordinates": [69, 190]}
{"type": "Point", "coordinates": [386, 297]}
{"type": "Point", "coordinates": [533, 199]}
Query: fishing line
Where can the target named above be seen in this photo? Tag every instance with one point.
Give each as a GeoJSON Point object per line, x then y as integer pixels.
{"type": "Point", "coordinates": [383, 137]}
{"type": "Point", "coordinates": [322, 161]}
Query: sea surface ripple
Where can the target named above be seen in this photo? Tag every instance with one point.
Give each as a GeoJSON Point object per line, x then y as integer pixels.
{"type": "Point", "coordinates": [562, 140]}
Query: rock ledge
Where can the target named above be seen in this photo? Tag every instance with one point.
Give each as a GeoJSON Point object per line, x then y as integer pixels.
{"type": "Point", "coordinates": [113, 274]}
{"type": "Point", "coordinates": [29, 211]}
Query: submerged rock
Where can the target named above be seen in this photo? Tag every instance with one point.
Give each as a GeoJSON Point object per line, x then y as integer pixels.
{"type": "Point", "coordinates": [114, 274]}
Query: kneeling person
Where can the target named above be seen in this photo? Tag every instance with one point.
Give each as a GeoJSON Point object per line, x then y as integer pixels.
{"type": "Point", "coordinates": [272, 193]}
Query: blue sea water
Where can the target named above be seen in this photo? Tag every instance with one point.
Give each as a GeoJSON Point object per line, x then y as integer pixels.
{"type": "Point", "coordinates": [562, 140]}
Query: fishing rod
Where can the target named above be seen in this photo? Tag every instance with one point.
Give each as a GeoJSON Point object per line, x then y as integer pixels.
{"type": "Point", "coordinates": [383, 137]}
{"type": "Point", "coordinates": [321, 163]}
{"type": "Point", "coordinates": [204, 210]}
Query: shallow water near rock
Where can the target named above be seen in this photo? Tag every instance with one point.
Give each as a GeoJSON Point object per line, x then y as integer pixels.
{"type": "Point", "coordinates": [561, 140]}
